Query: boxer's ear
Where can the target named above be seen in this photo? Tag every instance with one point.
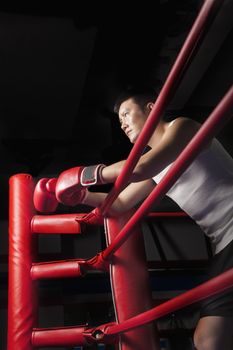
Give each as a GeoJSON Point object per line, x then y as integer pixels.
{"type": "Point", "coordinates": [150, 105]}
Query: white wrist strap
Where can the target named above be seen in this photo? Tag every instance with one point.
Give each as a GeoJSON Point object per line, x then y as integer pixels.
{"type": "Point", "coordinates": [92, 175]}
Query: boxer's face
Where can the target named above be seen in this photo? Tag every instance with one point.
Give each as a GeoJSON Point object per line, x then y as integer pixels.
{"type": "Point", "coordinates": [132, 118]}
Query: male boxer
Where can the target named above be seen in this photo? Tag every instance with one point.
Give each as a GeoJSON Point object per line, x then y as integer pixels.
{"type": "Point", "coordinates": [204, 191]}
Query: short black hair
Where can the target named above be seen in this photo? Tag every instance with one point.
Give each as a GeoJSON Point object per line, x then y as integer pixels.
{"type": "Point", "coordinates": [141, 95]}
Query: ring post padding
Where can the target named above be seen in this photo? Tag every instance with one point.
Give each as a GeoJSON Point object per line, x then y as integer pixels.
{"type": "Point", "coordinates": [57, 269]}
{"type": "Point", "coordinates": [130, 285]}
{"type": "Point", "coordinates": [57, 224]}
{"type": "Point", "coordinates": [22, 295]}
{"type": "Point", "coordinates": [63, 336]}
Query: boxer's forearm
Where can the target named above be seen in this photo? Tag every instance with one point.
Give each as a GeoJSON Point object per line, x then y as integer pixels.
{"type": "Point", "coordinates": [111, 172]}
{"type": "Point", "coordinates": [95, 199]}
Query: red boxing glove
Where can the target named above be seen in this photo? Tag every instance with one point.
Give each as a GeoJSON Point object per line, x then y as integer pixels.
{"type": "Point", "coordinates": [69, 190]}
{"type": "Point", "coordinates": [71, 187]}
{"type": "Point", "coordinates": [44, 195]}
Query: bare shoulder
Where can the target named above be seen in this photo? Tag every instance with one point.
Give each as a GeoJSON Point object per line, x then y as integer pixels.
{"type": "Point", "coordinates": [184, 121]}
{"type": "Point", "coordinates": [180, 130]}
{"type": "Point", "coordinates": [182, 124]}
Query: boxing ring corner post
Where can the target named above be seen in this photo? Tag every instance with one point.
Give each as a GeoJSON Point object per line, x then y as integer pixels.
{"type": "Point", "coordinates": [131, 292]}
{"type": "Point", "coordinates": [22, 295]}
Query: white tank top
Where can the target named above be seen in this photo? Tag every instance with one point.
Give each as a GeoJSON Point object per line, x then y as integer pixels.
{"type": "Point", "coordinates": [205, 192]}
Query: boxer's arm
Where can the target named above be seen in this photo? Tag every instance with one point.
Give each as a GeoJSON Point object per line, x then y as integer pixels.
{"type": "Point", "coordinates": [111, 172]}
{"type": "Point", "coordinates": [128, 198]}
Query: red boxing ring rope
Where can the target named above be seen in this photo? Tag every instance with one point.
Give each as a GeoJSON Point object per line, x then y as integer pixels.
{"type": "Point", "coordinates": [187, 52]}
{"type": "Point", "coordinates": [218, 118]}
{"type": "Point", "coordinates": [105, 332]}
{"type": "Point", "coordinates": [214, 286]}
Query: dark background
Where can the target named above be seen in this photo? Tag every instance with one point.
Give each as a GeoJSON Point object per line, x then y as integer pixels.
{"type": "Point", "coordinates": [62, 69]}
{"type": "Point", "coordinates": [60, 72]}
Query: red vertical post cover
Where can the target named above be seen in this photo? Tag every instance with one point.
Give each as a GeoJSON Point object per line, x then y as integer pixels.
{"type": "Point", "coordinates": [22, 295]}
{"type": "Point", "coordinates": [130, 285]}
